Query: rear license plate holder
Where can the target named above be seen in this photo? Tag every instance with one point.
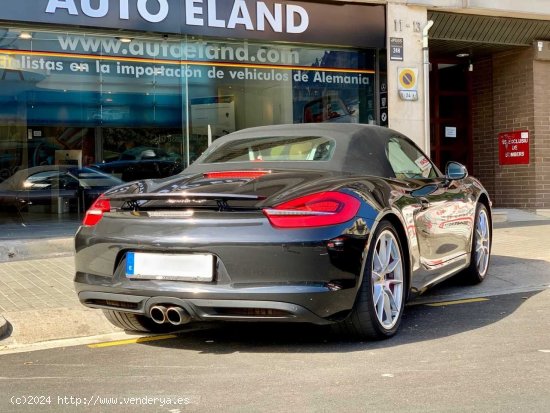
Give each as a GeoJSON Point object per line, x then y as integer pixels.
{"type": "Point", "coordinates": [175, 267]}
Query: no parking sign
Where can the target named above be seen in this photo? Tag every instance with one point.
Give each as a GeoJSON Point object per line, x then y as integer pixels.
{"type": "Point", "coordinates": [407, 83]}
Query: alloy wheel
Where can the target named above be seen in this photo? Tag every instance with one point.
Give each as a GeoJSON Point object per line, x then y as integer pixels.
{"type": "Point", "coordinates": [387, 279]}
{"type": "Point", "coordinates": [482, 243]}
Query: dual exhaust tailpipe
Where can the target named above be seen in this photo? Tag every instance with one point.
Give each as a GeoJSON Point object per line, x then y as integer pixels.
{"type": "Point", "coordinates": [173, 315]}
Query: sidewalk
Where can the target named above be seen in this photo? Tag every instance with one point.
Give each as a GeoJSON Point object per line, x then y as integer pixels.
{"type": "Point", "coordinates": [38, 300]}
{"type": "Point", "coordinates": [38, 303]}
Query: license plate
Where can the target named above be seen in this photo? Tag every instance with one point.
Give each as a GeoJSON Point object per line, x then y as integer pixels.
{"type": "Point", "coordinates": [178, 267]}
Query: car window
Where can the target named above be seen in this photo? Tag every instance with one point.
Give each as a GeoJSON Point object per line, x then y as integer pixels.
{"type": "Point", "coordinates": [41, 180]}
{"type": "Point", "coordinates": [407, 161]}
{"type": "Point", "coordinates": [90, 178]}
{"type": "Point", "coordinates": [273, 149]}
{"type": "Point", "coordinates": [66, 181]}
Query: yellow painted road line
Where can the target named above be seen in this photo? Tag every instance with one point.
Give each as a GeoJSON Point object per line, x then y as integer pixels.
{"type": "Point", "coordinates": [465, 301]}
{"type": "Point", "coordinates": [132, 341]}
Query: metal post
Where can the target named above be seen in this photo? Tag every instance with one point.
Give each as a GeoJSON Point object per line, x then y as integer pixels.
{"type": "Point", "coordinates": [426, 68]}
{"type": "Point", "coordinates": [187, 130]}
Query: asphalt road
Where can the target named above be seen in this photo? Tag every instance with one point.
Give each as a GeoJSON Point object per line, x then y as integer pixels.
{"type": "Point", "coordinates": [486, 355]}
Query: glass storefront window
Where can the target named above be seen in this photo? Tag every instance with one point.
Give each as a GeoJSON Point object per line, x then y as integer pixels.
{"type": "Point", "coordinates": [144, 107]}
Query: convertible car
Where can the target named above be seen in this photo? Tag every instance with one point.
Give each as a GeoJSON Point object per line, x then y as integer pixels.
{"type": "Point", "coordinates": [322, 223]}
{"type": "Point", "coordinates": [41, 185]}
{"type": "Point", "coordinates": [141, 162]}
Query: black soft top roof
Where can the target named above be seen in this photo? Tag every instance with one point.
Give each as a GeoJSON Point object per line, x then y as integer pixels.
{"type": "Point", "coordinates": [360, 149]}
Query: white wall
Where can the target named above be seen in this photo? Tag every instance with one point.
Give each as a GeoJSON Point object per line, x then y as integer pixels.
{"type": "Point", "coordinates": [534, 9]}
{"type": "Point", "coordinates": [407, 23]}
{"type": "Point", "coordinates": [529, 9]}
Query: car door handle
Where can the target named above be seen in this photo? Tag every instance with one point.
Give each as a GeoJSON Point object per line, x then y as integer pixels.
{"type": "Point", "coordinates": [424, 203]}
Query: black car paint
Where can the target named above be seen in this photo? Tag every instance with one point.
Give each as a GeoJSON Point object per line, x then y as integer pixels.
{"type": "Point", "coordinates": [295, 270]}
{"type": "Point", "coordinates": [241, 239]}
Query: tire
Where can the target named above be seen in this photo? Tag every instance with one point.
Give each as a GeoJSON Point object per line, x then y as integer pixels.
{"type": "Point", "coordinates": [481, 248]}
{"type": "Point", "coordinates": [380, 300]}
{"type": "Point", "coordinates": [136, 322]}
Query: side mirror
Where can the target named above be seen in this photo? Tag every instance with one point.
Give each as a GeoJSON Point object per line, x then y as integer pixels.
{"type": "Point", "coordinates": [148, 154]}
{"type": "Point", "coordinates": [455, 171]}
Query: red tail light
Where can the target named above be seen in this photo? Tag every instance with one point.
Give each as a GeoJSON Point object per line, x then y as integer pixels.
{"type": "Point", "coordinates": [236, 174]}
{"type": "Point", "coordinates": [96, 211]}
{"type": "Point", "coordinates": [315, 210]}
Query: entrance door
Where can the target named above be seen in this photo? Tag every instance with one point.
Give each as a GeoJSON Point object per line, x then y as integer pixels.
{"type": "Point", "coordinates": [450, 117]}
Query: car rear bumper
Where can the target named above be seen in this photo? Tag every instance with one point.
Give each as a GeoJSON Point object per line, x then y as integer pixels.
{"type": "Point", "coordinates": [302, 274]}
{"type": "Point", "coordinates": [315, 305]}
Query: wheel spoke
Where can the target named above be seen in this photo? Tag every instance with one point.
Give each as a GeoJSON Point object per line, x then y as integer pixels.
{"type": "Point", "coordinates": [376, 276]}
{"type": "Point", "coordinates": [393, 304]}
{"type": "Point", "coordinates": [485, 261]}
{"type": "Point", "coordinates": [387, 308]}
{"type": "Point", "coordinates": [377, 262]}
{"type": "Point", "coordinates": [377, 294]}
{"type": "Point", "coordinates": [485, 226]}
{"type": "Point", "coordinates": [382, 254]}
{"type": "Point", "coordinates": [391, 268]}
{"type": "Point", "coordinates": [380, 306]}
{"type": "Point", "coordinates": [479, 233]}
{"type": "Point", "coordinates": [479, 257]}
{"type": "Point", "coordinates": [389, 247]}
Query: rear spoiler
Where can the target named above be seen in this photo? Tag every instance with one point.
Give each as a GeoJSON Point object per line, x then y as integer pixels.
{"type": "Point", "coordinates": [179, 196]}
{"type": "Point", "coordinates": [183, 198]}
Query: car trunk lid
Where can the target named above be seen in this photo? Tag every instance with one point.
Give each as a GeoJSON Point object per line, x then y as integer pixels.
{"type": "Point", "coordinates": [220, 190]}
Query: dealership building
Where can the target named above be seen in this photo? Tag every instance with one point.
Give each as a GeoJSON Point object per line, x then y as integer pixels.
{"type": "Point", "coordinates": [91, 82]}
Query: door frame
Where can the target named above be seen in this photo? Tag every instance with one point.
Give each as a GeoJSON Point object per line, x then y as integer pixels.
{"type": "Point", "coordinates": [436, 121]}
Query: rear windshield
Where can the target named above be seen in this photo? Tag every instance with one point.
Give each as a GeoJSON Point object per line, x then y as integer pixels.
{"type": "Point", "coordinates": [90, 178]}
{"type": "Point", "coordinates": [273, 149]}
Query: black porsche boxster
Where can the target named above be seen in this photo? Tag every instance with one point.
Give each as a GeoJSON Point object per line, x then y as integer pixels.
{"type": "Point", "coordinates": [321, 223]}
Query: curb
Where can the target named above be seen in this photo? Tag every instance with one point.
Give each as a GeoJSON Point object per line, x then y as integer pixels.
{"type": "Point", "coordinates": [3, 326]}
{"type": "Point", "coordinates": [29, 249]}
{"type": "Point", "coordinates": [28, 327]}
{"type": "Point", "coordinates": [499, 216]}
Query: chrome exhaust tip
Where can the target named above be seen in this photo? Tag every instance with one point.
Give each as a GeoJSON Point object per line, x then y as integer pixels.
{"type": "Point", "coordinates": [177, 316]}
{"type": "Point", "coordinates": [158, 314]}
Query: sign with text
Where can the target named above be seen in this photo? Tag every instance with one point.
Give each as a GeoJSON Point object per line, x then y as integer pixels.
{"type": "Point", "coordinates": [271, 20]}
{"type": "Point", "coordinates": [513, 148]}
{"type": "Point", "coordinates": [407, 85]}
{"type": "Point", "coordinates": [396, 48]}
{"type": "Point", "coordinates": [450, 131]}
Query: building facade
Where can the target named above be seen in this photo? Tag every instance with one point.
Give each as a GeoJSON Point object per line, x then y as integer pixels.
{"type": "Point", "coordinates": [488, 98]}
{"type": "Point", "coordinates": [96, 92]}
